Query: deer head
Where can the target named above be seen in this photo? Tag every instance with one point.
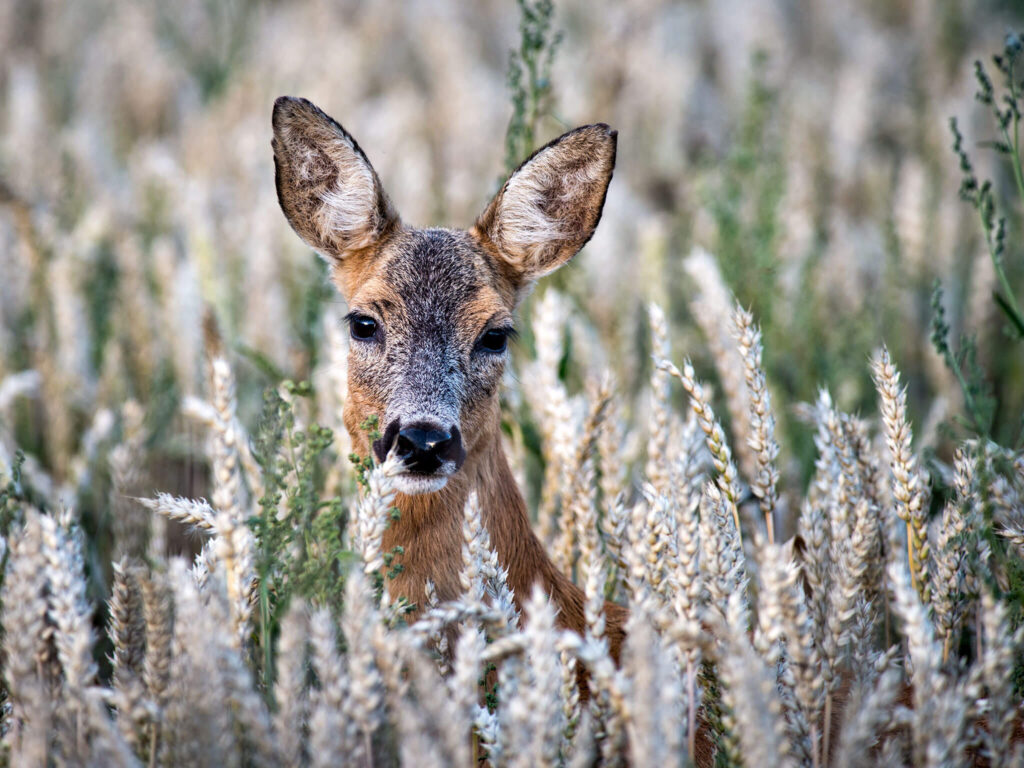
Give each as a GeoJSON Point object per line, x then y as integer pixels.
{"type": "Point", "coordinates": [432, 310]}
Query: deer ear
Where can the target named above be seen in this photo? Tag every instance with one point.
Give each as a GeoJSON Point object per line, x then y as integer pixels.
{"type": "Point", "coordinates": [327, 188]}
{"type": "Point", "coordinates": [550, 206]}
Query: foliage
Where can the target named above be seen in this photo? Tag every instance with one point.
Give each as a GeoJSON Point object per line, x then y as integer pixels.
{"type": "Point", "coordinates": [529, 78]}
{"type": "Point", "coordinates": [254, 630]}
{"type": "Point", "coordinates": [210, 38]}
{"type": "Point", "coordinates": [11, 495]}
{"type": "Point", "coordinates": [298, 534]}
{"type": "Point", "coordinates": [979, 399]}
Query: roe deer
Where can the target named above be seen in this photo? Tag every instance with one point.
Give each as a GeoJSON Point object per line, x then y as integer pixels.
{"type": "Point", "coordinates": [431, 311]}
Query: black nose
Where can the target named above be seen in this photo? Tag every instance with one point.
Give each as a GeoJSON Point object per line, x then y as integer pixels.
{"type": "Point", "coordinates": [425, 447]}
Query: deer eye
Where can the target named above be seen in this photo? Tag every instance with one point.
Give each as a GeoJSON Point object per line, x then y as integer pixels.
{"type": "Point", "coordinates": [495, 340]}
{"type": "Point", "coordinates": [362, 327]}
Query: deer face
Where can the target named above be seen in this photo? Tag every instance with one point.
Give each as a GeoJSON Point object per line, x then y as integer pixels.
{"type": "Point", "coordinates": [431, 310]}
{"type": "Point", "coordinates": [429, 319]}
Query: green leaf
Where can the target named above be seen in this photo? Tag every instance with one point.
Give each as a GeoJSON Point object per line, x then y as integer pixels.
{"type": "Point", "coordinates": [1010, 312]}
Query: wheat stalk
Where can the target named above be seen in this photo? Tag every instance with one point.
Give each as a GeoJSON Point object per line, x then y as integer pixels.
{"type": "Point", "coordinates": [906, 481]}
{"type": "Point", "coordinates": [728, 482]}
{"type": "Point", "coordinates": [761, 438]}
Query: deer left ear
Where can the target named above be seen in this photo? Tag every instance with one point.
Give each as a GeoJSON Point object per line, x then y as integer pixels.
{"type": "Point", "coordinates": [550, 206]}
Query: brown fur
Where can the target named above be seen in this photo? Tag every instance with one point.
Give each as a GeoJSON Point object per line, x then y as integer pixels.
{"type": "Point", "coordinates": [313, 155]}
{"type": "Point", "coordinates": [418, 284]}
{"type": "Point", "coordinates": [569, 184]}
{"type": "Point", "coordinates": [464, 282]}
{"type": "Point", "coordinates": [430, 530]}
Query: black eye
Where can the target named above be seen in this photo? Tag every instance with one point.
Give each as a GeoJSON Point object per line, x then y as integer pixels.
{"type": "Point", "coordinates": [494, 340]}
{"type": "Point", "coordinates": [362, 327]}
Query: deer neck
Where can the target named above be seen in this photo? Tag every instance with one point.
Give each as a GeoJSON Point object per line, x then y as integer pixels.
{"type": "Point", "coordinates": [429, 530]}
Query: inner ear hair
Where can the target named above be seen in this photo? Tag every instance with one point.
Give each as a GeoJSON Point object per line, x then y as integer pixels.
{"type": "Point", "coordinates": [551, 205]}
{"type": "Point", "coordinates": [326, 186]}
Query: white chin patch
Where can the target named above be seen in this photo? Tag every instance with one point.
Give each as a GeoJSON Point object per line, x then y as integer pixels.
{"type": "Point", "coordinates": [411, 484]}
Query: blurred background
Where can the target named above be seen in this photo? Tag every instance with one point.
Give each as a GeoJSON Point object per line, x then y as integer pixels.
{"type": "Point", "coordinates": [804, 145]}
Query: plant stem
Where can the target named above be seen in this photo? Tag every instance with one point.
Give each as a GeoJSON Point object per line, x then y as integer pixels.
{"type": "Point", "coordinates": [968, 398]}
{"type": "Point", "coordinates": [531, 112]}
{"type": "Point", "coordinates": [265, 639]}
{"type": "Point", "coordinates": [910, 555]}
{"type": "Point", "coordinates": [739, 531]}
{"type": "Point", "coordinates": [1000, 273]}
{"type": "Point", "coordinates": [154, 735]}
{"type": "Point", "coordinates": [1015, 142]}
{"type": "Point", "coordinates": [691, 711]}
{"type": "Point", "coordinates": [826, 728]}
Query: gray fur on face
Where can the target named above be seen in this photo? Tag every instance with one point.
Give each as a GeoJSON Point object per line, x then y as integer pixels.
{"type": "Point", "coordinates": [433, 292]}
{"type": "Point", "coordinates": [425, 366]}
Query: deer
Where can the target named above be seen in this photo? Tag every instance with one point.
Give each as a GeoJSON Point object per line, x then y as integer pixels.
{"type": "Point", "coordinates": [431, 313]}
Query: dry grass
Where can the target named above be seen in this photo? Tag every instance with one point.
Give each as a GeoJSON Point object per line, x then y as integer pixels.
{"type": "Point", "coordinates": [773, 628]}
{"type": "Point", "coordinates": [822, 567]}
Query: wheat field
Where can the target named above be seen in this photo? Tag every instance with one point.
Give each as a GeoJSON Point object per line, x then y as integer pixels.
{"type": "Point", "coordinates": [775, 407]}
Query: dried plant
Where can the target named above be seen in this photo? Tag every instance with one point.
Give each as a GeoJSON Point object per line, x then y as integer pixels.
{"type": "Point", "coordinates": [907, 488]}
{"type": "Point", "coordinates": [741, 648]}
{"type": "Point", "coordinates": [818, 577]}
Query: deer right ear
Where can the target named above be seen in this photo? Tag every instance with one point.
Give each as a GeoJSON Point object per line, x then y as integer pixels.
{"type": "Point", "coordinates": [327, 188]}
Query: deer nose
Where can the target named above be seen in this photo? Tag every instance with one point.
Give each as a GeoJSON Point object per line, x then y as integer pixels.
{"type": "Point", "coordinates": [424, 448]}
